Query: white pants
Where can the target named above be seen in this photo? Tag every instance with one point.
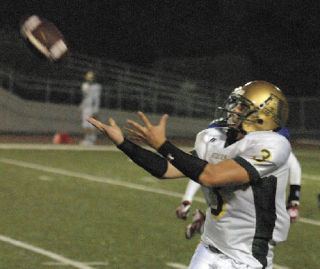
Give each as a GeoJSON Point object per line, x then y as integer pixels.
{"type": "Point", "coordinates": [204, 258]}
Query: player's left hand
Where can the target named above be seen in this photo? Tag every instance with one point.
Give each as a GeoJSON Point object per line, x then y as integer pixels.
{"type": "Point", "coordinates": [293, 211]}
{"type": "Point", "coordinates": [154, 135]}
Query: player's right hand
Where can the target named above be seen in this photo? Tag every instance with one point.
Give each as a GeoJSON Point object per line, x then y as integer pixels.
{"type": "Point", "coordinates": [113, 131]}
{"type": "Point", "coordinates": [196, 227]}
{"type": "Point", "coordinates": [183, 210]}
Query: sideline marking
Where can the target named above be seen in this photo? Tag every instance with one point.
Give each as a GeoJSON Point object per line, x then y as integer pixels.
{"type": "Point", "coordinates": [114, 182]}
{"type": "Point", "coordinates": [58, 147]}
{"type": "Point", "coordinates": [41, 251]}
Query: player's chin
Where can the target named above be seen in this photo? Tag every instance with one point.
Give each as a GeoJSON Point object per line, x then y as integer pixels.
{"type": "Point", "coordinates": [235, 124]}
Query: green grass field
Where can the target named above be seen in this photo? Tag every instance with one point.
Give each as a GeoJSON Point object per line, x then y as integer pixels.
{"type": "Point", "coordinates": [96, 209]}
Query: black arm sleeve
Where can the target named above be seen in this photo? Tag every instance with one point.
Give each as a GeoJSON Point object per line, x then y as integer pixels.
{"type": "Point", "coordinates": [148, 160]}
{"type": "Point", "coordinates": [189, 165]}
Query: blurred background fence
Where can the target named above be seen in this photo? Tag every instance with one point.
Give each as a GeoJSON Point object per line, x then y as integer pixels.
{"type": "Point", "coordinates": [124, 94]}
{"type": "Point", "coordinates": [126, 88]}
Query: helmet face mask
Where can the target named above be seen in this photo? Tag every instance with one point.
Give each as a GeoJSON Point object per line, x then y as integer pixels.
{"type": "Point", "coordinates": [256, 106]}
{"type": "Point", "coordinates": [236, 110]}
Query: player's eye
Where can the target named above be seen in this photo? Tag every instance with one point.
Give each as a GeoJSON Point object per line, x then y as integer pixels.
{"type": "Point", "coordinates": [244, 107]}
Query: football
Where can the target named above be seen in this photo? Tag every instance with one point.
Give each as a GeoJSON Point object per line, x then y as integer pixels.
{"type": "Point", "coordinates": [45, 37]}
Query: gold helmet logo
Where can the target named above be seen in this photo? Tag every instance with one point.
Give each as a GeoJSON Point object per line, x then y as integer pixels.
{"type": "Point", "coordinates": [268, 107]}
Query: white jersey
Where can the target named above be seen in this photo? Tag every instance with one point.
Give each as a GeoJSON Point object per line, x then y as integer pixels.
{"type": "Point", "coordinates": [244, 222]}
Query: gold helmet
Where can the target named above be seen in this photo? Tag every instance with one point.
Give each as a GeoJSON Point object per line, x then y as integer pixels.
{"type": "Point", "coordinates": [266, 106]}
{"type": "Point", "coordinates": [90, 76]}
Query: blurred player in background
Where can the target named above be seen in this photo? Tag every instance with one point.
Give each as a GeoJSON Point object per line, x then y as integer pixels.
{"type": "Point", "coordinates": [241, 167]}
{"type": "Point", "coordinates": [89, 107]}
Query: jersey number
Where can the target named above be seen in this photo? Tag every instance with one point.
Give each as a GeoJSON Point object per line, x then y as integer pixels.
{"type": "Point", "coordinates": [220, 209]}
{"type": "Point", "coordinates": [265, 156]}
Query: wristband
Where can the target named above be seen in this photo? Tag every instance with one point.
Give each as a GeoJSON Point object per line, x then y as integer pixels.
{"type": "Point", "coordinates": [294, 195]}
{"type": "Point", "coordinates": [189, 165]}
{"type": "Point", "coordinates": [148, 160]}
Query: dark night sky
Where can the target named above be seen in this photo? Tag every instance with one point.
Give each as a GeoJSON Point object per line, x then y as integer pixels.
{"type": "Point", "coordinates": [281, 37]}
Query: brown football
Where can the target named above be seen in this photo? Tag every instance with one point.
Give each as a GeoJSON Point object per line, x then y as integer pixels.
{"type": "Point", "coordinates": [45, 37]}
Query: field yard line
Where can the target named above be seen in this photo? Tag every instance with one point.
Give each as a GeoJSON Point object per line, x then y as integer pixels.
{"type": "Point", "coordinates": [311, 177]}
{"type": "Point", "coordinates": [112, 182]}
{"type": "Point", "coordinates": [177, 265]}
{"type": "Point", "coordinates": [99, 148]}
{"type": "Point", "coordinates": [182, 266]}
{"type": "Point", "coordinates": [310, 221]}
{"type": "Point", "coordinates": [74, 147]}
{"type": "Point", "coordinates": [94, 178]}
{"type": "Point", "coordinates": [21, 146]}
{"type": "Point", "coordinates": [41, 251]}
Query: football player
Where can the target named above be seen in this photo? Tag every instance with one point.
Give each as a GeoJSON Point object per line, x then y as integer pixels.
{"type": "Point", "coordinates": [89, 107]}
{"type": "Point", "coordinates": [195, 227]}
{"type": "Point", "coordinates": [242, 169]}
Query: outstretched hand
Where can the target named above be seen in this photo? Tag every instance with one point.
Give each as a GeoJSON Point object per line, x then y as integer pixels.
{"type": "Point", "coordinates": [113, 131]}
{"type": "Point", "coordinates": [154, 135]}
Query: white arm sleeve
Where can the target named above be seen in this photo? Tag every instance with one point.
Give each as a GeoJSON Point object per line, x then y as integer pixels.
{"type": "Point", "coordinates": [191, 190]}
{"type": "Point", "coordinates": [294, 170]}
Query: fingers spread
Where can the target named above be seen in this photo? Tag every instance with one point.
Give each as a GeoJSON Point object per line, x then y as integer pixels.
{"type": "Point", "coordinates": [163, 120]}
{"type": "Point", "coordinates": [112, 122]}
{"type": "Point", "coordinates": [99, 125]}
{"type": "Point", "coordinates": [94, 122]}
{"type": "Point", "coordinates": [135, 132]}
{"type": "Point", "coordinates": [91, 120]}
{"type": "Point", "coordinates": [144, 119]}
{"type": "Point", "coordinates": [137, 139]}
{"type": "Point", "coordinates": [136, 125]}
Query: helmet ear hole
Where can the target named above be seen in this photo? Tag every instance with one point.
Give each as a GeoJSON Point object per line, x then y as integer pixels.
{"type": "Point", "coordinates": [260, 121]}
